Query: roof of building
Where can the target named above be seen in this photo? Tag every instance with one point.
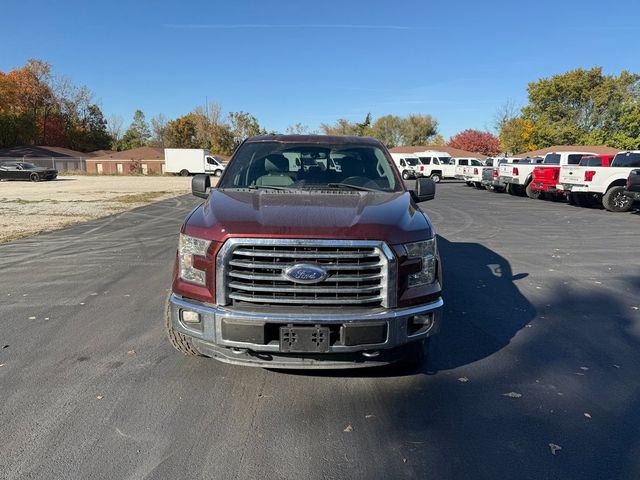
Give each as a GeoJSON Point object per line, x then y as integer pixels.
{"type": "Point", "coordinates": [142, 153]}
{"type": "Point", "coordinates": [454, 152]}
{"type": "Point", "coordinates": [36, 151]}
{"type": "Point", "coordinates": [101, 153]}
{"type": "Point", "coordinates": [597, 149]}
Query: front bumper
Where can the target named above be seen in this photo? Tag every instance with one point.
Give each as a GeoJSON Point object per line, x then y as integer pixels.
{"type": "Point", "coordinates": [209, 336]}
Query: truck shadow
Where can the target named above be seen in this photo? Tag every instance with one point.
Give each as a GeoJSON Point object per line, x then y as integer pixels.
{"type": "Point", "coordinates": [483, 311]}
{"type": "Point", "coordinates": [483, 307]}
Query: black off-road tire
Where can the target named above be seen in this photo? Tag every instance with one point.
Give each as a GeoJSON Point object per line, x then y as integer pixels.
{"type": "Point", "coordinates": [180, 342]}
{"type": "Point", "coordinates": [534, 194]}
{"type": "Point", "coordinates": [418, 355]}
{"type": "Point", "coordinates": [478, 185]}
{"type": "Point", "coordinates": [615, 200]}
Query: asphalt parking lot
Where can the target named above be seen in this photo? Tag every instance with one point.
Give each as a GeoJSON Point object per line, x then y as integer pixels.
{"type": "Point", "coordinates": [534, 375]}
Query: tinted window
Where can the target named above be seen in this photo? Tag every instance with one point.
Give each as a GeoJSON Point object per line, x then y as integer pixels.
{"type": "Point", "coordinates": [425, 160]}
{"type": "Point", "coordinates": [574, 159]}
{"type": "Point", "coordinates": [627, 159]}
{"type": "Point", "coordinates": [412, 161]}
{"type": "Point", "coordinates": [307, 166]}
{"type": "Point", "coordinates": [445, 160]}
{"type": "Point", "coordinates": [463, 162]}
{"type": "Point", "coordinates": [552, 159]}
{"type": "Point", "coordinates": [476, 163]}
{"type": "Point", "coordinates": [591, 162]}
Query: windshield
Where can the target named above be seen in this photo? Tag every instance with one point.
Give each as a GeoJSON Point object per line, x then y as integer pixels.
{"type": "Point", "coordinates": [290, 166]}
{"type": "Point", "coordinates": [411, 161]}
{"type": "Point", "coordinates": [552, 159]}
{"type": "Point", "coordinates": [626, 159]}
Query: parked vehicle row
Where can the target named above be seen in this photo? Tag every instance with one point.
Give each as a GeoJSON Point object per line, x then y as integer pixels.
{"type": "Point", "coordinates": [582, 178]}
{"type": "Point", "coordinates": [433, 164]}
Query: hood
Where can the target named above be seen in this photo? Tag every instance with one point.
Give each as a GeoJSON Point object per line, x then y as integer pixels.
{"type": "Point", "coordinates": [392, 217]}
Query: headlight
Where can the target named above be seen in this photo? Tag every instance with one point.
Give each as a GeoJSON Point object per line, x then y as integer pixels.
{"type": "Point", "coordinates": [188, 248]}
{"type": "Point", "coordinates": [425, 250]}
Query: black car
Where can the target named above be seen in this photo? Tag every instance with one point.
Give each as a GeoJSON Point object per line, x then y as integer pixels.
{"type": "Point", "coordinates": [632, 188]}
{"type": "Point", "coordinates": [26, 171]}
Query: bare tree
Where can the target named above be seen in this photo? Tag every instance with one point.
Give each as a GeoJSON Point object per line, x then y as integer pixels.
{"type": "Point", "coordinates": [507, 111]}
{"type": "Point", "coordinates": [114, 129]}
{"type": "Point", "coordinates": [159, 130]}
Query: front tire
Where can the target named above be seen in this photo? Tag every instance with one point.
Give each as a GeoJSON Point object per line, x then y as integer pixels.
{"type": "Point", "coordinates": [615, 200]}
{"type": "Point", "coordinates": [406, 175]}
{"type": "Point", "coordinates": [217, 173]}
{"type": "Point", "coordinates": [184, 173]}
{"type": "Point", "coordinates": [34, 177]}
{"type": "Point", "coordinates": [180, 342]}
{"type": "Point", "coordinates": [435, 177]}
{"type": "Point", "coordinates": [418, 354]}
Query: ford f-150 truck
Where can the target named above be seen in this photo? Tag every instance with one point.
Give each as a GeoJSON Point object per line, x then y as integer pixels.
{"type": "Point", "coordinates": [307, 268]}
{"type": "Point", "coordinates": [606, 185]}
{"type": "Point", "coordinates": [545, 176]}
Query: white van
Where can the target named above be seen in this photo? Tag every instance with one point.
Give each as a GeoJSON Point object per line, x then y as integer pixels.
{"type": "Point", "coordinates": [407, 163]}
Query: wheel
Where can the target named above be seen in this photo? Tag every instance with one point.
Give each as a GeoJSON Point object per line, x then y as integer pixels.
{"type": "Point", "coordinates": [180, 342]}
{"type": "Point", "coordinates": [478, 185]}
{"type": "Point", "coordinates": [435, 177]}
{"type": "Point", "coordinates": [468, 184]}
{"type": "Point", "coordinates": [184, 173]}
{"type": "Point", "coordinates": [417, 355]}
{"type": "Point", "coordinates": [217, 173]}
{"type": "Point", "coordinates": [571, 199]}
{"type": "Point", "coordinates": [34, 177]}
{"type": "Point", "coordinates": [615, 200]}
{"type": "Point", "coordinates": [406, 175]}
{"type": "Point", "coordinates": [513, 189]}
{"type": "Point", "coordinates": [531, 193]}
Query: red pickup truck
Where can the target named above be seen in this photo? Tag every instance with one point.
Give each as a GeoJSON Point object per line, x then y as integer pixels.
{"type": "Point", "coordinates": [310, 252]}
{"type": "Point", "coordinates": [547, 176]}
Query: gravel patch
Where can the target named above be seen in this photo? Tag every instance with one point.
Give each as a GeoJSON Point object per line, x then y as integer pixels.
{"type": "Point", "coordinates": [29, 208]}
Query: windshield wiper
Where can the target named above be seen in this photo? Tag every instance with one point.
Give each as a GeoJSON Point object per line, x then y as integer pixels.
{"type": "Point", "coordinates": [353, 187]}
{"type": "Point", "coordinates": [270, 187]}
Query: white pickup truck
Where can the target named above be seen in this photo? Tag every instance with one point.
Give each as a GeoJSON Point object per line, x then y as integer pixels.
{"type": "Point", "coordinates": [472, 173]}
{"type": "Point", "coordinates": [517, 176]}
{"type": "Point", "coordinates": [439, 165]}
{"type": "Point", "coordinates": [589, 185]}
{"type": "Point", "coordinates": [408, 164]}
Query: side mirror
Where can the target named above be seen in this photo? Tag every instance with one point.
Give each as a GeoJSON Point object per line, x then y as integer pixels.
{"type": "Point", "coordinates": [425, 190]}
{"type": "Point", "coordinates": [201, 185]}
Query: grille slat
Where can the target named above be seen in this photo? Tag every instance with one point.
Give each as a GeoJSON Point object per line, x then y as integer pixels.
{"type": "Point", "coordinates": [357, 274]}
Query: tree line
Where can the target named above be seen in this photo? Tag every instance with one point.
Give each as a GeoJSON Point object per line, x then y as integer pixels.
{"type": "Point", "coordinates": [577, 107]}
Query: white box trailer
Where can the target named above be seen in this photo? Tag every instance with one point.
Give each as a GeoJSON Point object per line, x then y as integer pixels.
{"type": "Point", "coordinates": [187, 161]}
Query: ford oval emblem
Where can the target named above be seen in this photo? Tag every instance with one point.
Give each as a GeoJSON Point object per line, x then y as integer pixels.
{"type": "Point", "coordinates": [306, 273]}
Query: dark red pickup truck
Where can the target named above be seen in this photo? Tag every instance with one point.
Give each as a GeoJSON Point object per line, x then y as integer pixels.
{"type": "Point", "coordinates": [309, 253]}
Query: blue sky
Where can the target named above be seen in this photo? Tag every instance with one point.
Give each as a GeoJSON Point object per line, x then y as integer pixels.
{"type": "Point", "coordinates": [313, 62]}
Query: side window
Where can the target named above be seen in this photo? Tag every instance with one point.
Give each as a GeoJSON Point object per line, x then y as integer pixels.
{"type": "Point", "coordinates": [574, 159]}
{"type": "Point", "coordinates": [426, 160]}
{"type": "Point", "coordinates": [436, 161]}
{"type": "Point", "coordinates": [402, 163]}
{"type": "Point", "coordinates": [463, 162]}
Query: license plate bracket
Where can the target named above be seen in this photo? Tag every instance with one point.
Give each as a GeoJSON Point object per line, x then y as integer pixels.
{"type": "Point", "coordinates": [312, 339]}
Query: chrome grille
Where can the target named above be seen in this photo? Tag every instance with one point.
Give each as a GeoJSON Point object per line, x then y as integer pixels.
{"type": "Point", "coordinates": [252, 270]}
